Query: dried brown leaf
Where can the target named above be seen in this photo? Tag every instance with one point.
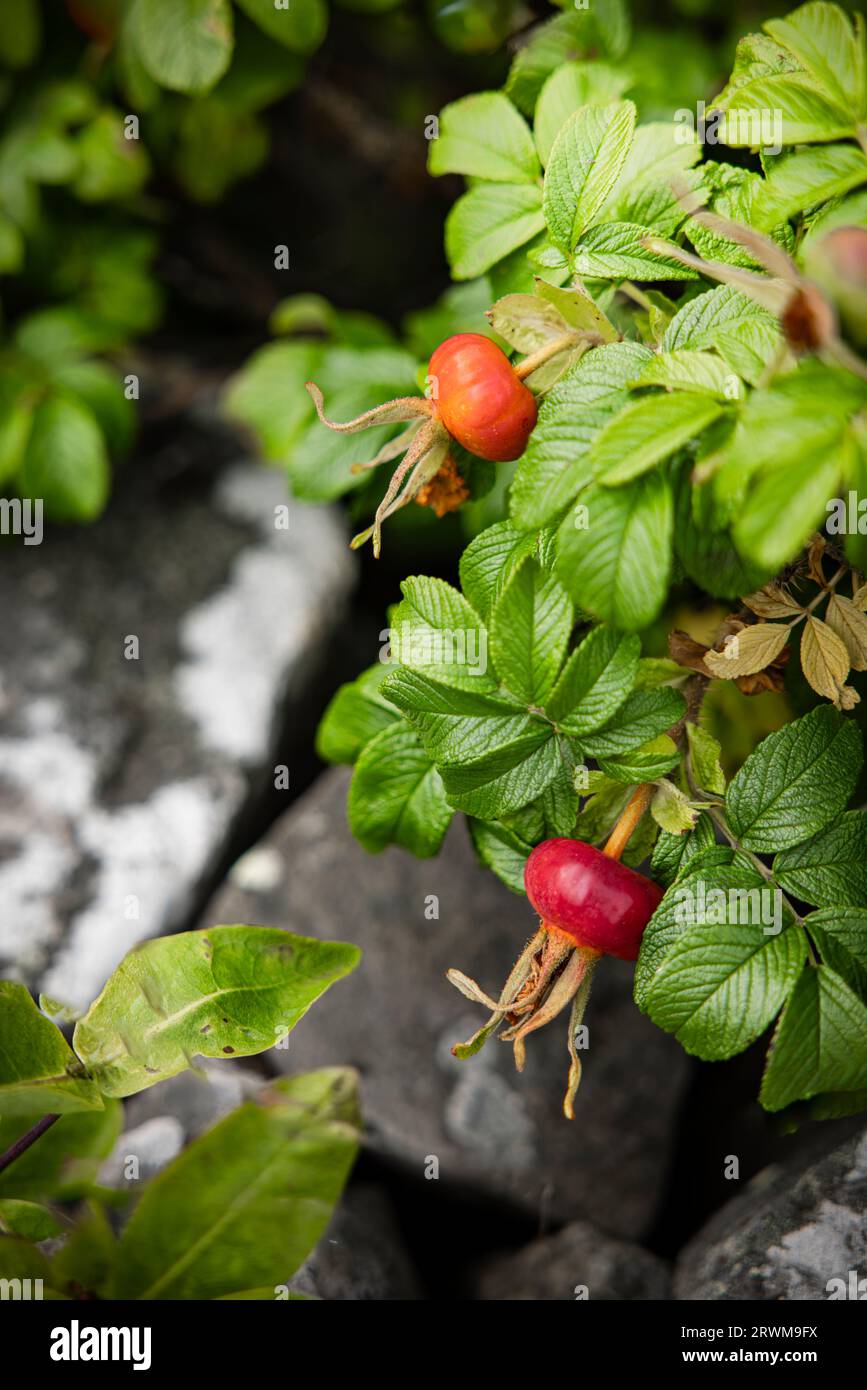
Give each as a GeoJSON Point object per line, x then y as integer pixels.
{"type": "Point", "coordinates": [687, 652]}
{"type": "Point", "coordinates": [815, 555]}
{"type": "Point", "coordinates": [748, 651]}
{"type": "Point", "coordinates": [850, 625]}
{"type": "Point", "coordinates": [773, 601]}
{"type": "Point", "coordinates": [824, 659]}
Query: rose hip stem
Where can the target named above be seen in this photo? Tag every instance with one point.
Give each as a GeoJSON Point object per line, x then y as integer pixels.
{"type": "Point", "coordinates": [541, 355]}
{"type": "Point", "coordinates": [632, 813]}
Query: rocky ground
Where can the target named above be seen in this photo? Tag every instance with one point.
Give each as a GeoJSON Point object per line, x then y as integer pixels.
{"type": "Point", "coordinates": [138, 796]}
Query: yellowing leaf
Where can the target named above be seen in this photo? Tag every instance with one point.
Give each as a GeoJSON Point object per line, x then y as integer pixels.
{"type": "Point", "coordinates": [859, 597]}
{"type": "Point", "coordinates": [850, 625]}
{"type": "Point", "coordinates": [824, 659]}
{"type": "Point", "coordinates": [773, 601]}
{"type": "Point", "coordinates": [748, 651]}
{"type": "Point", "coordinates": [671, 810]}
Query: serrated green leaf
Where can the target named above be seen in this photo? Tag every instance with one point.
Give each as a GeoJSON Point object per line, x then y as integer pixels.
{"type": "Point", "coordinates": [569, 87]}
{"type": "Point", "coordinates": [488, 223]}
{"type": "Point", "coordinates": [454, 724]}
{"type": "Point", "coordinates": [396, 795]}
{"type": "Point", "coordinates": [784, 109]}
{"type": "Point", "coordinates": [671, 810]}
{"type": "Point", "coordinates": [802, 178]}
{"type": "Point", "coordinates": [647, 431]}
{"type": "Point", "coordinates": [489, 560]}
{"type": "Point", "coordinates": [226, 991]}
{"type": "Point", "coordinates": [841, 936]}
{"type": "Point", "coordinates": [354, 716]}
{"type": "Point", "coordinates": [530, 626]}
{"type": "Point", "coordinates": [705, 754]}
{"type": "Point", "coordinates": [435, 631]}
{"type": "Point", "coordinates": [484, 136]}
{"type": "Point", "coordinates": [501, 850]}
{"type": "Point", "coordinates": [821, 37]}
{"type": "Point", "coordinates": [643, 764]}
{"type": "Point", "coordinates": [616, 564]}
{"type": "Point", "coordinates": [39, 1072]}
{"type": "Point", "coordinates": [642, 716]}
{"type": "Point", "coordinates": [796, 782]}
{"type": "Point", "coordinates": [820, 1043]}
{"type": "Point", "coordinates": [248, 1200]}
{"type": "Point", "coordinates": [690, 369]}
{"type": "Point", "coordinates": [585, 161]}
{"type": "Point", "coordinates": [506, 778]}
{"type": "Point", "coordinates": [723, 982]}
{"type": "Point", "coordinates": [595, 682]}
{"type": "Point", "coordinates": [700, 320]}
{"type": "Point", "coordinates": [830, 869]}
{"type": "Point", "coordinates": [613, 251]}
{"type": "Point", "coordinates": [673, 854]}
{"type": "Point", "coordinates": [555, 464]}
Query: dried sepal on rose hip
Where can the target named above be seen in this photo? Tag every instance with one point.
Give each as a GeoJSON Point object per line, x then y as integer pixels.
{"type": "Point", "coordinates": [478, 398]}
{"type": "Point", "coordinates": [590, 905]}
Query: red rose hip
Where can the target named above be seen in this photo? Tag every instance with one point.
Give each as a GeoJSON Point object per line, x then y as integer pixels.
{"type": "Point", "coordinates": [591, 897]}
{"type": "Point", "coordinates": [480, 399]}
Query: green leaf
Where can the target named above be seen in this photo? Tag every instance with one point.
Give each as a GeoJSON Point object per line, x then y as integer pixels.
{"type": "Point", "coordinates": [585, 162]}
{"type": "Point", "coordinates": [64, 1163]}
{"type": "Point", "coordinates": [248, 1200]}
{"type": "Point", "coordinates": [28, 1220]}
{"type": "Point", "coordinates": [724, 981]}
{"type": "Point", "coordinates": [661, 152]}
{"type": "Point", "coordinates": [614, 251]}
{"type": "Point", "coordinates": [354, 716]}
{"type": "Point", "coordinates": [489, 222]}
{"type": "Point", "coordinates": [698, 888]}
{"type": "Point", "coordinates": [648, 431]}
{"type": "Point", "coordinates": [489, 560]}
{"type": "Point", "coordinates": [821, 37]}
{"type": "Point", "coordinates": [482, 135]}
{"type": "Point", "coordinates": [618, 567]}
{"type": "Point", "coordinates": [820, 1043]}
{"type": "Point", "coordinates": [555, 465]}
{"type": "Point", "coordinates": [505, 779]}
{"type": "Point", "coordinates": [671, 810]}
{"type": "Point", "coordinates": [673, 854]}
{"type": "Point", "coordinates": [268, 397]}
{"type": "Point", "coordinates": [700, 321]}
{"type": "Point", "coordinates": [39, 1073]}
{"type": "Point", "coordinates": [21, 1260]}
{"type": "Point", "coordinates": [21, 33]}
{"type": "Point", "coordinates": [66, 463]}
{"type": "Point", "coordinates": [643, 764]}
{"type": "Point", "coordinates": [688, 369]}
{"type": "Point", "coordinates": [300, 27]}
{"type": "Point", "coordinates": [576, 34]}
{"type": "Point", "coordinates": [830, 869]}
{"type": "Point", "coordinates": [86, 1261]}
{"type": "Point", "coordinates": [110, 166]}
{"type": "Point", "coordinates": [530, 627]}
{"type": "Point", "coordinates": [841, 935]}
{"type": "Point", "coordinates": [320, 465]}
{"type": "Point", "coordinates": [575, 305]}
{"type": "Point", "coordinates": [796, 782]}
{"type": "Point", "coordinates": [396, 795]}
{"type": "Point", "coordinates": [435, 630]}
{"type": "Point", "coordinates": [641, 717]}
{"type": "Point", "coordinates": [596, 680]}
{"type": "Point", "coordinates": [705, 754]}
{"type": "Point", "coordinates": [802, 178]}
{"type": "Point", "coordinates": [500, 850]}
{"type": "Point", "coordinates": [784, 108]}
{"type": "Point", "coordinates": [227, 991]}
{"type": "Point", "coordinates": [569, 87]}
{"type": "Point", "coordinates": [185, 45]}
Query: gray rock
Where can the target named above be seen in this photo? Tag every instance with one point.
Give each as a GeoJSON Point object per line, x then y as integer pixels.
{"type": "Point", "coordinates": [396, 1015]}
{"type": "Point", "coordinates": [121, 776]}
{"type": "Point", "coordinates": [787, 1236]}
{"type": "Point", "coordinates": [196, 1099]}
{"type": "Point", "coordinates": [577, 1263]}
{"type": "Point", "coordinates": [361, 1257]}
{"type": "Point", "coordinates": [152, 1145]}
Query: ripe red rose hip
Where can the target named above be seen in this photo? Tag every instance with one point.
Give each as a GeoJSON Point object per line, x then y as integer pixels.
{"type": "Point", "coordinates": [591, 897]}
{"type": "Point", "coordinates": [481, 401]}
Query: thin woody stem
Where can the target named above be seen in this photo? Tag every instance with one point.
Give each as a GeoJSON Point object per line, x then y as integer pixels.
{"type": "Point", "coordinates": [23, 1144]}
{"type": "Point", "coordinates": [634, 810]}
{"type": "Point", "coordinates": [544, 354]}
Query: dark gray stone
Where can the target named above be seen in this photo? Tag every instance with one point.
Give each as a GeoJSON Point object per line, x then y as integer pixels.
{"type": "Point", "coordinates": [122, 779]}
{"type": "Point", "coordinates": [361, 1257]}
{"type": "Point", "coordinates": [395, 1017]}
{"type": "Point", "coordinates": [787, 1236]}
{"type": "Point", "coordinates": [152, 1144]}
{"type": "Point", "coordinates": [578, 1262]}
